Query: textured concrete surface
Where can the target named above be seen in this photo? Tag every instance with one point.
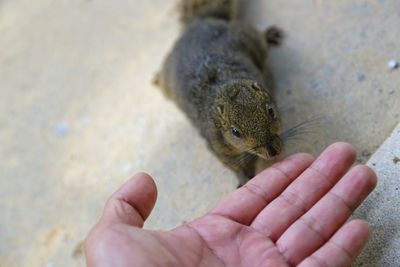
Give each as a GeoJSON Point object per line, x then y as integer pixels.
{"type": "Point", "coordinates": [78, 113]}
{"type": "Point", "coordinates": [332, 66]}
{"type": "Point", "coordinates": [382, 208]}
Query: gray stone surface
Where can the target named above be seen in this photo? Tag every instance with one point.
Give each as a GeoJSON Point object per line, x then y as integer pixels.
{"type": "Point", "coordinates": [78, 113]}
{"type": "Point", "coordinates": [382, 208]}
{"type": "Point", "coordinates": [333, 66]}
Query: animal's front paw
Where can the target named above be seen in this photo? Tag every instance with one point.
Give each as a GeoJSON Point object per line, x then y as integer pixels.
{"type": "Point", "coordinates": [274, 35]}
{"type": "Point", "coordinates": [156, 79]}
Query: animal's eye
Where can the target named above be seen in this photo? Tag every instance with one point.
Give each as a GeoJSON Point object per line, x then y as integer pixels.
{"type": "Point", "coordinates": [271, 112]}
{"type": "Point", "coordinates": [236, 132]}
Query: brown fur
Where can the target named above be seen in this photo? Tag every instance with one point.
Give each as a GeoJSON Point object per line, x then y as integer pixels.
{"type": "Point", "coordinates": [215, 74]}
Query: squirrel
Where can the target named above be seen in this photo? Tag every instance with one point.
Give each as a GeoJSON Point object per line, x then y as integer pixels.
{"type": "Point", "coordinates": [215, 73]}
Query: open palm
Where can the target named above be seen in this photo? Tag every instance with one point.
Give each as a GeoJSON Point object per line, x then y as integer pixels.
{"type": "Point", "coordinates": [293, 213]}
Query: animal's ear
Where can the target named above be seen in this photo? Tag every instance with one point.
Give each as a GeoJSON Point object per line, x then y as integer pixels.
{"type": "Point", "coordinates": [220, 109]}
{"type": "Point", "coordinates": [256, 86]}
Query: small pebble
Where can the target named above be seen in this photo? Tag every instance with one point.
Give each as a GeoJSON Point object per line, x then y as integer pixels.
{"type": "Point", "coordinates": [365, 153]}
{"type": "Point", "coordinates": [62, 129]}
{"type": "Point", "coordinates": [393, 64]}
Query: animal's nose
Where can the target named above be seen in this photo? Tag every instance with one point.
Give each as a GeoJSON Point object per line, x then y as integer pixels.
{"type": "Point", "coordinates": [275, 147]}
{"type": "Point", "coordinates": [272, 151]}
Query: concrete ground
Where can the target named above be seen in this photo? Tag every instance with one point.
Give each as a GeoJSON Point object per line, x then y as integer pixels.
{"type": "Point", "coordinates": [79, 115]}
{"type": "Point", "coordinates": [382, 208]}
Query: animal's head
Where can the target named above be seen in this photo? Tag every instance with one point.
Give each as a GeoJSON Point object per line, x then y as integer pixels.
{"type": "Point", "coordinates": [249, 118]}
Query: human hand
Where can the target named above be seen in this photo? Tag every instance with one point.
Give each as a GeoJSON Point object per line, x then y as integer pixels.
{"type": "Point", "coordinates": [293, 213]}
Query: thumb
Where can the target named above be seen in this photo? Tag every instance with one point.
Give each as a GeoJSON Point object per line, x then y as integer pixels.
{"type": "Point", "coordinates": [132, 203]}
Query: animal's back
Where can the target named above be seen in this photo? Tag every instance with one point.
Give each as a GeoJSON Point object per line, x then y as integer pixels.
{"type": "Point", "coordinates": [215, 74]}
{"type": "Point", "coordinates": [209, 53]}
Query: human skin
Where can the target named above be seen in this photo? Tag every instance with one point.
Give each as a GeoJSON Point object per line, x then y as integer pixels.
{"type": "Point", "coordinates": [293, 213]}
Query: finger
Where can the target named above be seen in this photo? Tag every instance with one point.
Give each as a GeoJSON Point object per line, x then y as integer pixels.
{"type": "Point", "coordinates": [305, 191]}
{"type": "Point", "coordinates": [315, 228]}
{"type": "Point", "coordinates": [246, 202]}
{"type": "Point", "coordinates": [342, 248]}
{"type": "Point", "coordinates": [132, 203]}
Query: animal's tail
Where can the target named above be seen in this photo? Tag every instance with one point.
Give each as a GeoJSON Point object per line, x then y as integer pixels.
{"type": "Point", "coordinates": [223, 9]}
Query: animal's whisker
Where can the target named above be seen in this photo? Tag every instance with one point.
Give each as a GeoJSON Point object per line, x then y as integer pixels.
{"type": "Point", "coordinates": [295, 138]}
{"type": "Point", "coordinates": [300, 130]}
{"type": "Point", "coordinates": [245, 159]}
